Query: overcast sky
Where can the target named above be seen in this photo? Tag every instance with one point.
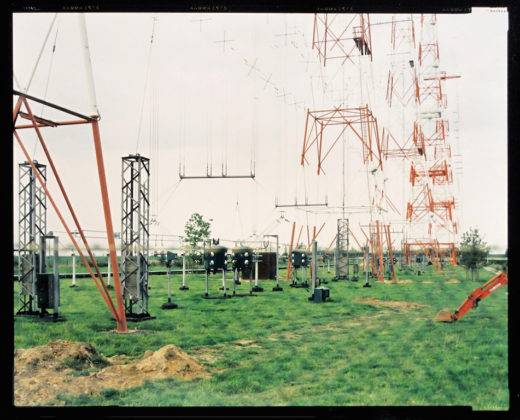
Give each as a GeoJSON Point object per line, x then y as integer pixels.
{"type": "Point", "coordinates": [190, 99]}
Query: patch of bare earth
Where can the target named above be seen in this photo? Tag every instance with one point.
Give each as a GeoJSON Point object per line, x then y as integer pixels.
{"type": "Point", "coordinates": [397, 281]}
{"type": "Point", "coordinates": [453, 281]}
{"type": "Point", "coordinates": [406, 306]}
{"type": "Point", "coordinates": [41, 373]}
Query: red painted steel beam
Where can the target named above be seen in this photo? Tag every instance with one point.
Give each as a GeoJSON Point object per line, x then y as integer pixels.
{"type": "Point", "coordinates": [121, 321]}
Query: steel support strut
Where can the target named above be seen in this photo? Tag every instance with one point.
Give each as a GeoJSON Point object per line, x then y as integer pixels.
{"type": "Point", "coordinates": [121, 319]}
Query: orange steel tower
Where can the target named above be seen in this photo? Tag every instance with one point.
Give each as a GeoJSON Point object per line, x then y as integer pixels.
{"type": "Point", "coordinates": [341, 36]}
{"type": "Point", "coordinates": [432, 203]}
{"type": "Point", "coordinates": [416, 88]}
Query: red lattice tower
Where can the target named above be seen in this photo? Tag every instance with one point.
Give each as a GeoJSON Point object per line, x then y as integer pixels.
{"type": "Point", "coordinates": [432, 202]}
{"type": "Point", "coordinates": [325, 128]}
{"type": "Point", "coordinates": [341, 36]}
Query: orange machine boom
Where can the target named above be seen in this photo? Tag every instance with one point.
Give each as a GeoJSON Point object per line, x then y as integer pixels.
{"type": "Point", "coordinates": [473, 299]}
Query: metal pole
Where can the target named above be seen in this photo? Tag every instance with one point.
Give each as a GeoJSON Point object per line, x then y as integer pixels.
{"type": "Point", "coordinates": [277, 276]}
{"type": "Point", "coordinates": [251, 281]}
{"type": "Point", "coordinates": [348, 262]}
{"type": "Point", "coordinates": [290, 252]}
{"type": "Point", "coordinates": [169, 285]}
{"type": "Point", "coordinates": [224, 280]}
{"type": "Point", "coordinates": [56, 279]}
{"type": "Point", "coordinates": [367, 284]}
{"type": "Point", "coordinates": [256, 270]}
{"type": "Point", "coordinates": [183, 270]}
{"type": "Point", "coordinates": [73, 269]}
{"type": "Point", "coordinates": [314, 249]}
{"type": "Point", "coordinates": [184, 287]}
{"type": "Point", "coordinates": [108, 274]}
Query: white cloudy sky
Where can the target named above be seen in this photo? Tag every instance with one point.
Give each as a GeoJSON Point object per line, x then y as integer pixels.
{"type": "Point", "coordinates": [189, 97]}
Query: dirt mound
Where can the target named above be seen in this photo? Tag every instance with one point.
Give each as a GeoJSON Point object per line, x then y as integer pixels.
{"type": "Point", "coordinates": [390, 303]}
{"type": "Point", "coordinates": [57, 355]}
{"type": "Point", "coordinates": [41, 373]}
{"type": "Point", "coordinates": [169, 361]}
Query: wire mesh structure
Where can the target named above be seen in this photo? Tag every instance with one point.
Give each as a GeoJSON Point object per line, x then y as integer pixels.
{"type": "Point", "coordinates": [32, 225]}
{"type": "Point", "coordinates": [135, 233]}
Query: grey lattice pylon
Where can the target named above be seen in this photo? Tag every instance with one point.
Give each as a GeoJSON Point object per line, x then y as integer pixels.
{"type": "Point", "coordinates": [32, 225]}
{"type": "Point", "coordinates": [135, 224]}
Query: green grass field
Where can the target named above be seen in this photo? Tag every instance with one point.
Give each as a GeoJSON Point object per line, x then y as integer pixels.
{"type": "Point", "coordinates": [338, 353]}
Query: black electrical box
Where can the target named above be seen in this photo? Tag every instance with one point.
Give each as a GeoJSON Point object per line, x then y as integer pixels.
{"type": "Point", "coordinates": [170, 256]}
{"type": "Point", "coordinates": [321, 294]}
{"type": "Point", "coordinates": [242, 258]}
{"type": "Point", "coordinates": [215, 259]}
{"type": "Point", "coordinates": [45, 290]}
{"type": "Point", "coordinates": [299, 259]}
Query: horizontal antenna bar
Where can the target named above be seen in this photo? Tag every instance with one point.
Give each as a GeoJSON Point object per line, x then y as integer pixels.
{"type": "Point", "coordinates": [59, 108]}
{"type": "Point", "coordinates": [302, 205]}
{"type": "Point", "coordinates": [215, 176]}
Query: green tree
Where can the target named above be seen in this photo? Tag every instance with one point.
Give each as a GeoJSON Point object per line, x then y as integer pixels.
{"type": "Point", "coordinates": [196, 230]}
{"type": "Point", "coordinates": [473, 251]}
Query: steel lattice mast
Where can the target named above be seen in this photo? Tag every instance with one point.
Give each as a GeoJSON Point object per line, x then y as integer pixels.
{"type": "Point", "coordinates": [424, 139]}
{"type": "Point", "coordinates": [32, 226]}
{"type": "Point", "coordinates": [135, 233]}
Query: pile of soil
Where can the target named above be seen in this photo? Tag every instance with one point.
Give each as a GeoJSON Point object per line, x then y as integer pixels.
{"type": "Point", "coordinates": [389, 303]}
{"type": "Point", "coordinates": [43, 372]}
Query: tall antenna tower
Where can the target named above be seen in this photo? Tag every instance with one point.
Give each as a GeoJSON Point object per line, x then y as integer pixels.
{"type": "Point", "coordinates": [431, 208]}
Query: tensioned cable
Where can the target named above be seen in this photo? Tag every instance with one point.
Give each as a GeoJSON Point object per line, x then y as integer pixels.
{"type": "Point", "coordinates": [154, 141]}
{"type": "Point", "coordinates": [173, 188]}
{"type": "Point", "coordinates": [46, 87]}
{"type": "Point", "coordinates": [40, 54]}
{"type": "Point", "coordinates": [148, 64]}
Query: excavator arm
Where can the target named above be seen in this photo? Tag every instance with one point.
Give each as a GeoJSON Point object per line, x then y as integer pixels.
{"type": "Point", "coordinates": [473, 299]}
